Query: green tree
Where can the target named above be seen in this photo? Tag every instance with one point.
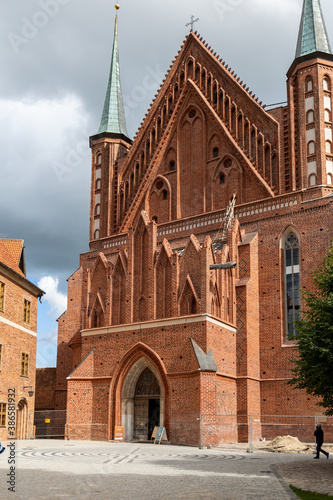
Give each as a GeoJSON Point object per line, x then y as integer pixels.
{"type": "Point", "coordinates": [313, 369]}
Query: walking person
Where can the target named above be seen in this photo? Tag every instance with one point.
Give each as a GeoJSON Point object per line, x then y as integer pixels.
{"type": "Point", "coordinates": [319, 433]}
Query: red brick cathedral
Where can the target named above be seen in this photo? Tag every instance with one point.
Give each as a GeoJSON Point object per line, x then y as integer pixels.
{"type": "Point", "coordinates": [203, 230]}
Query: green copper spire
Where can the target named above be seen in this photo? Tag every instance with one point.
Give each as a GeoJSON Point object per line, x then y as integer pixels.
{"type": "Point", "coordinates": [312, 33]}
{"type": "Point", "coordinates": [113, 117]}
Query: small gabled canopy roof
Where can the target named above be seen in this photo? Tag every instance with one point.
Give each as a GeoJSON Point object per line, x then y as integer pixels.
{"type": "Point", "coordinates": [312, 33]}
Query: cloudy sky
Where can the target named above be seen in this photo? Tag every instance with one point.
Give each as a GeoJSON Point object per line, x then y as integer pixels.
{"type": "Point", "coordinates": [55, 58]}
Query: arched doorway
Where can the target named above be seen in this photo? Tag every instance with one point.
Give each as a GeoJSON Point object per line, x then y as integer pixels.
{"type": "Point", "coordinates": [146, 405]}
{"type": "Point", "coordinates": [22, 420]}
{"type": "Point", "coordinates": [142, 401]}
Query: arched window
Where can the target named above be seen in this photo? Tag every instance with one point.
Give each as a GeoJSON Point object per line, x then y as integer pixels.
{"type": "Point", "coordinates": [98, 209]}
{"type": "Point", "coordinates": [193, 306]}
{"type": "Point", "coordinates": [190, 68]}
{"type": "Point", "coordinates": [155, 219]}
{"type": "Point", "coordinates": [308, 85]}
{"type": "Point", "coordinates": [222, 178]}
{"type": "Point", "coordinates": [165, 194]}
{"type": "Point", "coordinates": [172, 165]}
{"type": "Point", "coordinates": [292, 284]}
{"type": "Point", "coordinates": [310, 117]}
{"type": "Point", "coordinates": [326, 84]}
{"type": "Point", "coordinates": [312, 180]}
{"type": "Point", "coordinates": [216, 152]}
{"type": "Point", "coordinates": [329, 179]}
{"type": "Point", "coordinates": [215, 93]}
{"type": "Point", "coordinates": [311, 148]}
{"type": "Point", "coordinates": [176, 91]}
{"type": "Point", "coordinates": [197, 74]}
{"type": "Point", "coordinates": [328, 115]}
{"type": "Point", "coordinates": [96, 234]}
{"type": "Point", "coordinates": [329, 147]}
{"type": "Point", "coordinates": [98, 184]}
{"type": "Point", "coordinates": [99, 159]}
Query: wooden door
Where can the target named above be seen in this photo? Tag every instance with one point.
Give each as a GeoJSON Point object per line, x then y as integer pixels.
{"type": "Point", "coordinates": [141, 408]}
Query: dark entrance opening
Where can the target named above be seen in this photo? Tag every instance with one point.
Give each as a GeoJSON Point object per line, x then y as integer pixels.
{"type": "Point", "coordinates": [153, 415]}
{"type": "Point", "coordinates": [146, 406]}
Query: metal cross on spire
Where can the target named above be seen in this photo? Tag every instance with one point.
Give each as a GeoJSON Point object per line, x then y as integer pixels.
{"type": "Point", "coordinates": [192, 22]}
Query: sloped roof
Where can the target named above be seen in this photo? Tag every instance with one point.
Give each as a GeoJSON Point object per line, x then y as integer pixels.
{"type": "Point", "coordinates": [10, 254]}
{"type": "Point", "coordinates": [312, 33]}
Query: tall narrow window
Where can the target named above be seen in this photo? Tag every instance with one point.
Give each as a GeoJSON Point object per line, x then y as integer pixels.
{"type": "Point", "coordinates": [2, 414]}
{"type": "Point", "coordinates": [0, 355]}
{"type": "Point", "coordinates": [309, 117]}
{"type": "Point", "coordinates": [2, 296]}
{"type": "Point", "coordinates": [312, 180]}
{"type": "Point", "coordinates": [292, 281]}
{"type": "Point", "coordinates": [311, 148]}
{"type": "Point", "coordinates": [308, 85]}
{"type": "Point", "coordinates": [326, 84]}
{"type": "Point", "coordinates": [24, 364]}
{"type": "Point", "coordinates": [26, 311]}
{"type": "Point", "coordinates": [172, 165]}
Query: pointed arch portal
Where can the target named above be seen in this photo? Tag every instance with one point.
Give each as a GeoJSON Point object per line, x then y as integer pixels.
{"type": "Point", "coordinates": [142, 401]}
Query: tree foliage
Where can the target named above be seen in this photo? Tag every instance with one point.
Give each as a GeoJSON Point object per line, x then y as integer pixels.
{"type": "Point", "coordinates": [313, 369]}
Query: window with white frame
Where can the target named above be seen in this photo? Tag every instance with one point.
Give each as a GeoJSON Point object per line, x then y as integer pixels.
{"type": "Point", "coordinates": [308, 85]}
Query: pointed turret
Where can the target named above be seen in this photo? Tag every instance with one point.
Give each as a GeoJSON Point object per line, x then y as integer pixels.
{"type": "Point", "coordinates": [113, 116]}
{"type": "Point", "coordinates": [312, 32]}
{"type": "Point", "coordinates": [109, 146]}
{"type": "Point", "coordinates": [309, 162]}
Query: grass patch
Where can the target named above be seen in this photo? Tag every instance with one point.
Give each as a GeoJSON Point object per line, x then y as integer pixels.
{"type": "Point", "coordinates": [309, 495]}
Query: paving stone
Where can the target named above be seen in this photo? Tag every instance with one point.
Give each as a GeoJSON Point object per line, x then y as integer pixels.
{"type": "Point", "coordinates": [101, 470]}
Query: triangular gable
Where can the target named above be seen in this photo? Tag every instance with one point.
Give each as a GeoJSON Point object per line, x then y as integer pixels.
{"type": "Point", "coordinates": [191, 44]}
{"type": "Point", "coordinates": [189, 91]}
{"type": "Point", "coordinates": [165, 248]}
{"type": "Point", "coordinates": [189, 283]}
{"type": "Point", "coordinates": [193, 242]}
{"type": "Point", "coordinates": [99, 300]}
{"type": "Point", "coordinates": [101, 260]}
{"type": "Point", "coordinates": [121, 261]}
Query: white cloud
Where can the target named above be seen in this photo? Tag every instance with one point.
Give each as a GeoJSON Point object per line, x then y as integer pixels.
{"type": "Point", "coordinates": [56, 300]}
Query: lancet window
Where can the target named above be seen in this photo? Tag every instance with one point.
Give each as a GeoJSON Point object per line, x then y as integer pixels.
{"type": "Point", "coordinates": [292, 283]}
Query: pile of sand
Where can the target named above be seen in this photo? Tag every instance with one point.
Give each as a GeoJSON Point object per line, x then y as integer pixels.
{"type": "Point", "coordinates": [286, 443]}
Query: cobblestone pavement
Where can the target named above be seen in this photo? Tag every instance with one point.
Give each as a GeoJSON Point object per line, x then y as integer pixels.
{"type": "Point", "coordinates": [121, 471]}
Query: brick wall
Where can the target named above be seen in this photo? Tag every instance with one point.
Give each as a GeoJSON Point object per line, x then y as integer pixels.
{"type": "Point", "coordinates": [15, 339]}
{"type": "Point", "coordinates": [45, 389]}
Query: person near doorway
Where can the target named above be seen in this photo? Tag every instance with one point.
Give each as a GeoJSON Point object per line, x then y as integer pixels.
{"type": "Point", "coordinates": [319, 433]}
{"type": "Point", "coordinates": [2, 449]}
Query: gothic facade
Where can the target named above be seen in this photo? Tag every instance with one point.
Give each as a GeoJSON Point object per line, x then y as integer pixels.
{"type": "Point", "coordinates": [154, 333]}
